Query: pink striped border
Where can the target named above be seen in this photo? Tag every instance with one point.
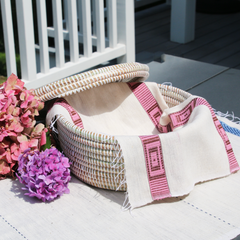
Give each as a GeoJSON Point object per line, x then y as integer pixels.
{"type": "Point", "coordinates": [155, 167]}
{"type": "Point", "coordinates": [150, 105]}
{"type": "Point", "coordinates": [182, 117]}
{"type": "Point", "coordinates": [74, 115]}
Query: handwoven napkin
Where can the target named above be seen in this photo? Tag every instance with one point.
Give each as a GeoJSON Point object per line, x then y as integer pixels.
{"type": "Point", "coordinates": [170, 164]}
{"type": "Point", "coordinates": [166, 150]}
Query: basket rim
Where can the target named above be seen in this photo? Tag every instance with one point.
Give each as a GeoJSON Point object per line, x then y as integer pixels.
{"type": "Point", "coordinates": [80, 82]}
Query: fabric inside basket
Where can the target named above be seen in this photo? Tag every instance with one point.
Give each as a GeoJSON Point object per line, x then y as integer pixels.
{"type": "Point", "coordinates": [112, 109]}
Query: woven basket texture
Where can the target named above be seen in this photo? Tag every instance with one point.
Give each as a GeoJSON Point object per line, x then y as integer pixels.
{"type": "Point", "coordinates": [97, 159]}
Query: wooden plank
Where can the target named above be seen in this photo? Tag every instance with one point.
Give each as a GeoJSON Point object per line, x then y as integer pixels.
{"type": "Point", "coordinates": [152, 34]}
{"type": "Point", "coordinates": [144, 3]}
{"type": "Point", "coordinates": [42, 36]}
{"type": "Point", "coordinates": [100, 30]}
{"type": "Point", "coordinates": [126, 29]}
{"type": "Point", "coordinates": [93, 18]}
{"type": "Point", "coordinates": [205, 39]}
{"type": "Point", "coordinates": [214, 45]}
{"type": "Point", "coordinates": [153, 41]}
{"type": "Point", "coordinates": [213, 26]}
{"type": "Point", "coordinates": [8, 37]}
{"type": "Point", "coordinates": [151, 19]}
{"type": "Point", "coordinates": [73, 30]}
{"type": "Point", "coordinates": [156, 10]}
{"type": "Point", "coordinates": [26, 39]}
{"type": "Point", "coordinates": [58, 28]}
{"type": "Point", "coordinates": [80, 26]}
{"type": "Point", "coordinates": [152, 26]}
{"type": "Point", "coordinates": [65, 10]}
{"type": "Point", "coordinates": [202, 20]}
{"type": "Point", "coordinates": [112, 22]}
{"type": "Point", "coordinates": [232, 61]}
{"type": "Point", "coordinates": [222, 53]}
{"type": "Point", "coordinates": [86, 22]}
{"type": "Point", "coordinates": [165, 45]}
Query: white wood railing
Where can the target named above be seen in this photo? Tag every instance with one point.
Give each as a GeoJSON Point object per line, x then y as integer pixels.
{"type": "Point", "coordinates": [89, 34]}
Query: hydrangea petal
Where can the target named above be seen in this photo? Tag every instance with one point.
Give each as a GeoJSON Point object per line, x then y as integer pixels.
{"type": "Point", "coordinates": [42, 176]}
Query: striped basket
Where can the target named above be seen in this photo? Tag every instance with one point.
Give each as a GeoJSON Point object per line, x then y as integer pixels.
{"type": "Point", "coordinates": [96, 158]}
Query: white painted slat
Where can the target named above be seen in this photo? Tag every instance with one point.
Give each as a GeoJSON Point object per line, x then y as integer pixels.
{"type": "Point", "coordinates": [73, 31]}
{"type": "Point", "coordinates": [42, 36]}
{"type": "Point", "coordinates": [65, 7]}
{"type": "Point", "coordinates": [58, 28]}
{"type": "Point", "coordinates": [26, 39]}
{"type": "Point", "coordinates": [79, 16]}
{"type": "Point", "coordinates": [100, 30]}
{"type": "Point", "coordinates": [86, 21]}
{"type": "Point", "coordinates": [93, 18]}
{"type": "Point", "coordinates": [112, 22]}
{"type": "Point", "coordinates": [74, 68]}
{"type": "Point", "coordinates": [126, 29]}
{"type": "Point", "coordinates": [51, 33]}
{"type": "Point", "coordinates": [8, 37]}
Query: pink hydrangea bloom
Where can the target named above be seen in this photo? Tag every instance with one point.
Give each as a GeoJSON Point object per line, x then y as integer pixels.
{"type": "Point", "coordinates": [45, 174]}
{"type": "Point", "coordinates": [18, 108]}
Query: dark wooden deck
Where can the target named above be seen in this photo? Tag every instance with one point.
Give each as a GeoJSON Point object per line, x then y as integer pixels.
{"type": "Point", "coordinates": [217, 37]}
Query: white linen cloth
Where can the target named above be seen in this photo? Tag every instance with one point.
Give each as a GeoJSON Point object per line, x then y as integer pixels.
{"type": "Point", "coordinates": [192, 153]}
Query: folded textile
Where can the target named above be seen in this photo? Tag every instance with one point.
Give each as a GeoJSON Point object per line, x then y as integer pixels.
{"type": "Point", "coordinates": [196, 150]}
{"type": "Point", "coordinates": [167, 150]}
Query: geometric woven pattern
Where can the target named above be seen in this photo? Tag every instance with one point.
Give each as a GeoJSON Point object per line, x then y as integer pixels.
{"type": "Point", "coordinates": [74, 115]}
{"type": "Point", "coordinates": [181, 117]}
{"type": "Point", "coordinates": [150, 105]}
{"type": "Point", "coordinates": [155, 167]}
{"type": "Point", "coordinates": [229, 129]}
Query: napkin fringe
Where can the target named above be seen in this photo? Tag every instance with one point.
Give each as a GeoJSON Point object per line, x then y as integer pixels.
{"type": "Point", "coordinates": [230, 116]}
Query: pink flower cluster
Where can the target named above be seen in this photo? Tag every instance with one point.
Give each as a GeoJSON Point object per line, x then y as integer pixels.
{"type": "Point", "coordinates": [18, 108]}
{"type": "Point", "coordinates": [45, 174]}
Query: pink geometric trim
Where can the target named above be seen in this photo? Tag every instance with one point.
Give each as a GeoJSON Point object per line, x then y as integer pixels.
{"type": "Point", "coordinates": [74, 115]}
{"type": "Point", "coordinates": [180, 118]}
{"type": "Point", "coordinates": [155, 167]}
{"type": "Point", "coordinates": [150, 105]}
{"type": "Point", "coordinates": [231, 157]}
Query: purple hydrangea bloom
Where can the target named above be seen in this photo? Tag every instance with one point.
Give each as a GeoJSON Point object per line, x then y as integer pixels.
{"type": "Point", "coordinates": [45, 174]}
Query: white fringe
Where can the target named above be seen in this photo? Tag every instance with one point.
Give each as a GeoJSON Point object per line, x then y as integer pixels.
{"type": "Point", "coordinates": [227, 115]}
{"type": "Point", "coordinates": [126, 204]}
{"type": "Point", "coordinates": [52, 123]}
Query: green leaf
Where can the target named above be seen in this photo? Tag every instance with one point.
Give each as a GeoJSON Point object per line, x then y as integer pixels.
{"type": "Point", "coordinates": [48, 142]}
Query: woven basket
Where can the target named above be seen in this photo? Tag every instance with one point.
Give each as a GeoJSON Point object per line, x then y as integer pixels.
{"type": "Point", "coordinates": [96, 158]}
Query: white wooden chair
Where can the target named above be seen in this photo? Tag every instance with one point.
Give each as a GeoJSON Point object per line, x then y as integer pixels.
{"type": "Point", "coordinates": [85, 22]}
